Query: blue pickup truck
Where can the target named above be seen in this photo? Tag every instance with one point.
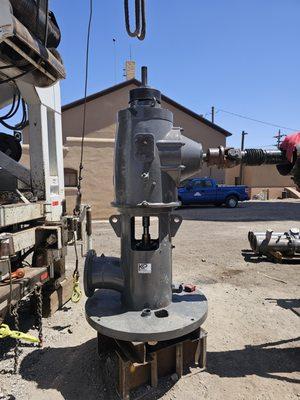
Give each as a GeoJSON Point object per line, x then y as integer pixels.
{"type": "Point", "coordinates": [207, 191]}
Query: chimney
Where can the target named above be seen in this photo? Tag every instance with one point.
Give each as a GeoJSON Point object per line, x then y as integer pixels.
{"type": "Point", "coordinates": [130, 70]}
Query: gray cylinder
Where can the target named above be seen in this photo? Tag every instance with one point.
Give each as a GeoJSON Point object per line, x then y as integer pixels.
{"type": "Point", "coordinates": [286, 243]}
{"type": "Point", "coordinates": [138, 175]}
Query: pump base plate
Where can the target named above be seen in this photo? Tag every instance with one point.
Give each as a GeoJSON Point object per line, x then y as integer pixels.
{"type": "Point", "coordinates": [105, 313]}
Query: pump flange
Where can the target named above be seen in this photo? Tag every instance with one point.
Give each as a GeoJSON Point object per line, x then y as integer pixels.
{"type": "Point", "coordinates": [106, 314]}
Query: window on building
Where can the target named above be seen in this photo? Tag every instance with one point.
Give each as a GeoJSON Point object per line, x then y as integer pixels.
{"type": "Point", "coordinates": [70, 177]}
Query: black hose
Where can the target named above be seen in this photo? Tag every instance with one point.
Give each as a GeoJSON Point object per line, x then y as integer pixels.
{"type": "Point", "coordinates": [260, 156]}
{"type": "Point", "coordinates": [140, 19]}
{"type": "Point", "coordinates": [142, 34]}
{"type": "Point", "coordinates": [11, 111]}
{"type": "Point", "coordinates": [137, 18]}
{"type": "Point", "coordinates": [14, 109]}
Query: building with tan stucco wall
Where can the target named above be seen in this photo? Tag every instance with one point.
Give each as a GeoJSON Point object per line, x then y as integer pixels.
{"type": "Point", "coordinates": [263, 180]}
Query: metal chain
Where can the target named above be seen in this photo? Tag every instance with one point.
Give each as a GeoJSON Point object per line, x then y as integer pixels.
{"type": "Point", "coordinates": [10, 288]}
{"type": "Point", "coordinates": [15, 314]}
{"type": "Point", "coordinates": [39, 312]}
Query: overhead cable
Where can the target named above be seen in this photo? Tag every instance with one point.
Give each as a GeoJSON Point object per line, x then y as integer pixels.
{"type": "Point", "coordinates": [257, 120]}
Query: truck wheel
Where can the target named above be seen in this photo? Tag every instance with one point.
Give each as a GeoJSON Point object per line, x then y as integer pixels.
{"type": "Point", "coordinates": [231, 202]}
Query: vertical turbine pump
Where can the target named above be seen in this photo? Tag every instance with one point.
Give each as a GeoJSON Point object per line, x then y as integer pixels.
{"type": "Point", "coordinates": [136, 299]}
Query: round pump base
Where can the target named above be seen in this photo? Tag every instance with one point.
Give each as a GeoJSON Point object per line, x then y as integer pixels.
{"type": "Point", "coordinates": [105, 313]}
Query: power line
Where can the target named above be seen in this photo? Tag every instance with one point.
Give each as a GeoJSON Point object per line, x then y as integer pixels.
{"type": "Point", "coordinates": [210, 113]}
{"type": "Point", "coordinates": [78, 200]}
{"type": "Point", "coordinates": [257, 120]}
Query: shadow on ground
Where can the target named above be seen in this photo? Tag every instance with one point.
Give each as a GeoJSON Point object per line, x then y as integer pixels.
{"type": "Point", "coordinates": [266, 360]}
{"type": "Point", "coordinates": [250, 256]}
{"type": "Point", "coordinates": [248, 211]}
{"type": "Point", "coordinates": [287, 304]}
{"type": "Point", "coordinates": [78, 373]}
{"type": "Point", "coordinates": [75, 372]}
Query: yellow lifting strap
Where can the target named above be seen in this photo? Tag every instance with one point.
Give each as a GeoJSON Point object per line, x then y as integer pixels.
{"type": "Point", "coordinates": [77, 293]}
{"type": "Point", "coordinates": [6, 332]}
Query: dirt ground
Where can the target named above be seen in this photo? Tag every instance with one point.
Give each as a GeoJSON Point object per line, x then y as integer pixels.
{"type": "Point", "coordinates": [253, 335]}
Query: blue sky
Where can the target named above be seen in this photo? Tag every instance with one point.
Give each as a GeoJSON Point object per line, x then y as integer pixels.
{"type": "Point", "coordinates": [238, 55]}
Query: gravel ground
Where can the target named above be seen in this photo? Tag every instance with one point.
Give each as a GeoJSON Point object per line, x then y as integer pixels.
{"type": "Point", "coordinates": [253, 335]}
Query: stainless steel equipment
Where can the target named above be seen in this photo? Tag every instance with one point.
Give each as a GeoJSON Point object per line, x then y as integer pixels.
{"type": "Point", "coordinates": [276, 244]}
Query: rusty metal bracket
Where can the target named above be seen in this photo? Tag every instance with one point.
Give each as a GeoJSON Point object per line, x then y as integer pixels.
{"type": "Point", "coordinates": [115, 222]}
{"type": "Point", "coordinates": [175, 222]}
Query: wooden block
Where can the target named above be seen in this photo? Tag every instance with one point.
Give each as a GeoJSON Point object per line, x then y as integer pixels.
{"type": "Point", "coordinates": [179, 359]}
{"type": "Point", "coordinates": [154, 375]}
{"type": "Point", "coordinates": [163, 359]}
{"type": "Point", "coordinates": [54, 300]}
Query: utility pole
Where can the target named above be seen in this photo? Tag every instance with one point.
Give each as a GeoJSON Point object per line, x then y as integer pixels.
{"type": "Point", "coordinates": [213, 121]}
{"type": "Point", "coordinates": [242, 148]}
{"type": "Point", "coordinates": [279, 136]}
{"type": "Point", "coordinates": [115, 59]}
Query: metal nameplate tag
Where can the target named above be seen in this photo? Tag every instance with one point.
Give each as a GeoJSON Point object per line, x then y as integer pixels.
{"type": "Point", "coordinates": [144, 268]}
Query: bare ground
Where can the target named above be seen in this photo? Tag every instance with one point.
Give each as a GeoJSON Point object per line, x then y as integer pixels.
{"type": "Point", "coordinates": [253, 342]}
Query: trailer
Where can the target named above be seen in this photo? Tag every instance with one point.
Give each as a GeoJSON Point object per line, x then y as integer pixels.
{"type": "Point", "coordinates": [34, 227]}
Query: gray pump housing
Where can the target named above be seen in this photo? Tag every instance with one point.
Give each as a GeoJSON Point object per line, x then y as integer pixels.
{"type": "Point", "coordinates": [151, 158]}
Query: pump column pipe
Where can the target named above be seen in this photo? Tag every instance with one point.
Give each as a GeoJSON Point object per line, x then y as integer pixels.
{"type": "Point", "coordinates": [287, 243]}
